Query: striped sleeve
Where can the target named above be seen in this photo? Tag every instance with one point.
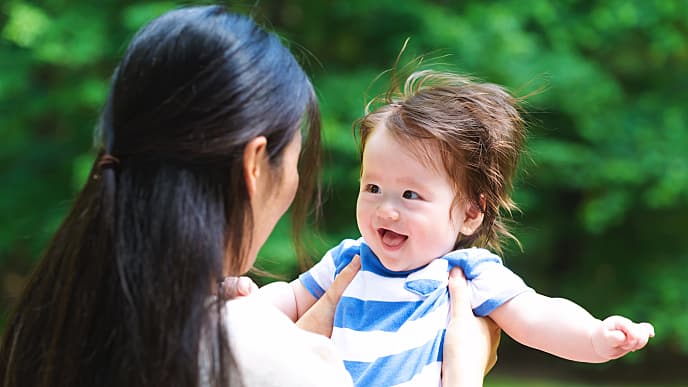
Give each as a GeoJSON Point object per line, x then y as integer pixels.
{"type": "Point", "coordinates": [320, 277]}
{"type": "Point", "coordinates": [491, 283]}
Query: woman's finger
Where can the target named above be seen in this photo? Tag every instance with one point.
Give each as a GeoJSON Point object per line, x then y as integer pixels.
{"type": "Point", "coordinates": [344, 278]}
{"type": "Point", "coordinates": [320, 317]}
{"type": "Point", "coordinates": [470, 344]}
{"type": "Point", "coordinates": [460, 302]}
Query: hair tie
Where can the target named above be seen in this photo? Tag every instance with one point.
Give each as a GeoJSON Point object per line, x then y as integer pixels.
{"type": "Point", "coordinates": [107, 161]}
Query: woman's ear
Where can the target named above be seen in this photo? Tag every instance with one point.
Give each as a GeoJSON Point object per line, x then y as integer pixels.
{"type": "Point", "coordinates": [473, 216]}
{"type": "Point", "coordinates": [255, 162]}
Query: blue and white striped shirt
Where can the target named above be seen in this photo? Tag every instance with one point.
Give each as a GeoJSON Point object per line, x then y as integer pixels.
{"type": "Point", "coordinates": [389, 326]}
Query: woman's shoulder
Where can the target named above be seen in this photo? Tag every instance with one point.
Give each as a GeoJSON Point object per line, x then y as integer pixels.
{"type": "Point", "coordinates": [271, 351]}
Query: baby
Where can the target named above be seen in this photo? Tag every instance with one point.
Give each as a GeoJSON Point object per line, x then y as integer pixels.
{"type": "Point", "coordinates": [438, 161]}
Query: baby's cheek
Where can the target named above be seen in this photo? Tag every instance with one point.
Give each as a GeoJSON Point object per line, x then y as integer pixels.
{"type": "Point", "coordinates": [435, 242]}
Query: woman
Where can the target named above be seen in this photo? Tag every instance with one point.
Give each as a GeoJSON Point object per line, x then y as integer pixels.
{"type": "Point", "coordinates": [201, 138]}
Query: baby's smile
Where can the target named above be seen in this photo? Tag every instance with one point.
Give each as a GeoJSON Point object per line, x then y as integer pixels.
{"type": "Point", "coordinates": [390, 239]}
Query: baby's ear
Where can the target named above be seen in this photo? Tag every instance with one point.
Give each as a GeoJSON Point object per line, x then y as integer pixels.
{"type": "Point", "coordinates": [473, 216]}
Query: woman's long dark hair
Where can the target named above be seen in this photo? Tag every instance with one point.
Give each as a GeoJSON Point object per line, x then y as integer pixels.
{"type": "Point", "coordinates": [121, 296]}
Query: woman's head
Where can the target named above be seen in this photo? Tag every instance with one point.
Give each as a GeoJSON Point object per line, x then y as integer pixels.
{"type": "Point", "coordinates": [194, 88]}
{"type": "Point", "coordinates": [472, 132]}
{"type": "Point", "coordinates": [201, 135]}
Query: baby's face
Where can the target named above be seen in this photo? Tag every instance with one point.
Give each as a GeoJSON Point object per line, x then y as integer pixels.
{"type": "Point", "coordinates": [404, 208]}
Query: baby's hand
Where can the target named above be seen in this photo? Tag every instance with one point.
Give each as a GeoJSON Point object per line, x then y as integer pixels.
{"type": "Point", "coordinates": [232, 287]}
{"type": "Point", "coordinates": [617, 336]}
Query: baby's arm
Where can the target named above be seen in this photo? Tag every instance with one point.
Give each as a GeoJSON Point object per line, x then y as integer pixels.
{"type": "Point", "coordinates": [324, 280]}
{"type": "Point", "coordinates": [562, 328]}
{"type": "Point", "coordinates": [291, 298]}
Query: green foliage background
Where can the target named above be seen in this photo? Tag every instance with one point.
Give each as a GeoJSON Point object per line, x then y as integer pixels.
{"type": "Point", "coordinates": [603, 191]}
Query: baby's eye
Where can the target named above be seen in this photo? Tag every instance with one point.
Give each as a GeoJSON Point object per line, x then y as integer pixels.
{"type": "Point", "coordinates": [410, 195]}
{"type": "Point", "coordinates": [372, 188]}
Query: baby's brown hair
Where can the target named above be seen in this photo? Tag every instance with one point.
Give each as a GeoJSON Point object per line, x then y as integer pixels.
{"type": "Point", "coordinates": [477, 129]}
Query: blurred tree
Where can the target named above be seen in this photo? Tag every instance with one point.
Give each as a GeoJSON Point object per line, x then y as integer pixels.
{"type": "Point", "coordinates": [605, 181]}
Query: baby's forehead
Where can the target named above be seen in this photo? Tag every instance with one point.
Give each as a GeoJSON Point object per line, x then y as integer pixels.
{"type": "Point", "coordinates": [426, 151]}
{"type": "Point", "coordinates": [423, 145]}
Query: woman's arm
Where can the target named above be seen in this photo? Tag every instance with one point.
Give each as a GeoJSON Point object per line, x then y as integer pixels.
{"type": "Point", "coordinates": [470, 343]}
{"type": "Point", "coordinates": [563, 328]}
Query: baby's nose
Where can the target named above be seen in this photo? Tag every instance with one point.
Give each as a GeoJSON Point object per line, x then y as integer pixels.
{"type": "Point", "coordinates": [387, 212]}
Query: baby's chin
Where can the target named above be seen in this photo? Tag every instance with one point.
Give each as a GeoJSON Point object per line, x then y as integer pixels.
{"type": "Point", "coordinates": [395, 264]}
{"type": "Point", "coordinates": [401, 263]}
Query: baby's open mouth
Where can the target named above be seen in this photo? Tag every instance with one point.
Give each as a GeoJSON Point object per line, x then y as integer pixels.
{"type": "Point", "coordinates": [391, 238]}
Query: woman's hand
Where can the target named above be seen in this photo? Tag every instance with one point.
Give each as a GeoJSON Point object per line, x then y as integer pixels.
{"type": "Point", "coordinates": [470, 343]}
{"type": "Point", "coordinates": [320, 317]}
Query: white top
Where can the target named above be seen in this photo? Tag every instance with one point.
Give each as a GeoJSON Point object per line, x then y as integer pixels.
{"type": "Point", "coordinates": [269, 350]}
